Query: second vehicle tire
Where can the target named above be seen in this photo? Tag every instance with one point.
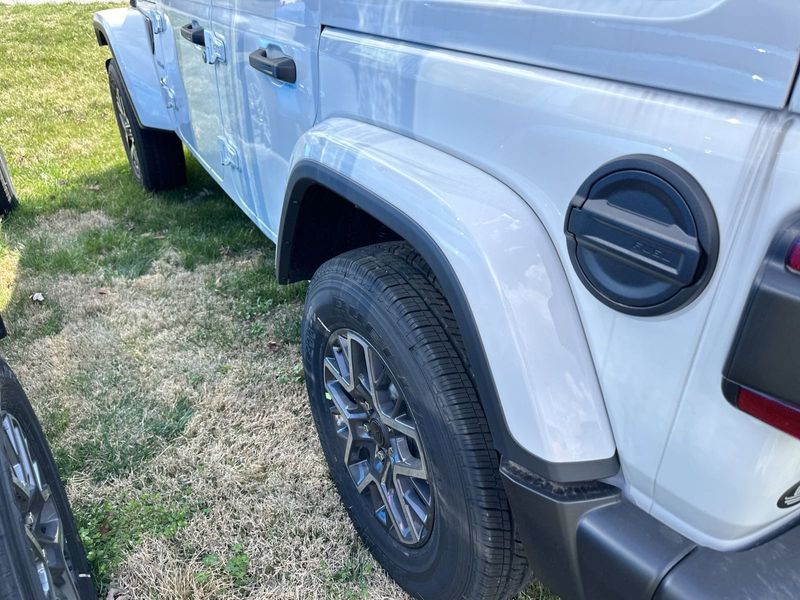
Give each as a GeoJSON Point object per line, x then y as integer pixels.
{"type": "Point", "coordinates": [41, 556]}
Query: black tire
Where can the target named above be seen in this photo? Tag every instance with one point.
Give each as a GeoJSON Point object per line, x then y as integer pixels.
{"type": "Point", "coordinates": [8, 197]}
{"type": "Point", "coordinates": [18, 577]}
{"type": "Point", "coordinates": [155, 156]}
{"type": "Point", "coordinates": [387, 294]}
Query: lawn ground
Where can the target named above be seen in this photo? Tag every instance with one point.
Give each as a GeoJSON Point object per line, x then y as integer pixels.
{"type": "Point", "coordinates": [164, 359]}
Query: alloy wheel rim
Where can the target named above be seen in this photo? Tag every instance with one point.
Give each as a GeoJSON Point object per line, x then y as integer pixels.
{"type": "Point", "coordinates": [127, 134]}
{"type": "Point", "coordinates": [43, 527]}
{"type": "Point", "coordinates": [380, 441]}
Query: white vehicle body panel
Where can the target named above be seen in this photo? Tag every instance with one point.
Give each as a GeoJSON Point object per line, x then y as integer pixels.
{"type": "Point", "coordinates": [737, 466]}
{"type": "Point", "coordinates": [510, 273]}
{"type": "Point", "coordinates": [125, 31]}
{"type": "Point", "coordinates": [265, 116]}
{"type": "Point", "coordinates": [742, 50]}
{"type": "Point", "coordinates": [543, 134]}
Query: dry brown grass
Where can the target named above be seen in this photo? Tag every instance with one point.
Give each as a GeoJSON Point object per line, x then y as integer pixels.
{"type": "Point", "coordinates": [249, 453]}
{"type": "Point", "coordinates": [59, 230]}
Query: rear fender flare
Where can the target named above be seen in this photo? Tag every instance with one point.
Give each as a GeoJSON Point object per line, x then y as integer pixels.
{"type": "Point", "coordinates": [501, 274]}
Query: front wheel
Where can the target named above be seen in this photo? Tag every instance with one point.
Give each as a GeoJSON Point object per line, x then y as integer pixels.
{"type": "Point", "coordinates": [156, 157]}
{"type": "Point", "coordinates": [41, 556]}
{"type": "Point", "coordinates": [402, 427]}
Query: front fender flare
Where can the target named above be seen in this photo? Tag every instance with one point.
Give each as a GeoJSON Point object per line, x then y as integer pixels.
{"type": "Point", "coordinates": [126, 33]}
{"type": "Point", "coordinates": [501, 274]}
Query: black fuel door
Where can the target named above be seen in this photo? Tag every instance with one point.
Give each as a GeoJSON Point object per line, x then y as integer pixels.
{"type": "Point", "coordinates": [642, 235]}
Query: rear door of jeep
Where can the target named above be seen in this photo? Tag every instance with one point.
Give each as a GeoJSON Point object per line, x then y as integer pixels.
{"type": "Point", "coordinates": [191, 57]}
{"type": "Point", "coordinates": [268, 89]}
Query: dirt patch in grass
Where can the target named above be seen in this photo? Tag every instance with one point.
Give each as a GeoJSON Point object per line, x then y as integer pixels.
{"type": "Point", "coordinates": [63, 227]}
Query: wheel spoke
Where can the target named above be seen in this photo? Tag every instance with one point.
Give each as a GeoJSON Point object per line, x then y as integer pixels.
{"type": "Point", "coordinates": [395, 513]}
{"type": "Point", "coordinates": [335, 367]}
{"type": "Point", "coordinates": [22, 489]}
{"type": "Point", "coordinates": [415, 511]}
{"type": "Point", "coordinates": [381, 445]}
{"type": "Point", "coordinates": [423, 490]}
{"type": "Point", "coordinates": [39, 516]}
{"type": "Point", "coordinates": [411, 467]}
{"type": "Point", "coordinates": [361, 474]}
{"type": "Point", "coordinates": [401, 425]}
{"type": "Point", "coordinates": [344, 405]}
{"type": "Point", "coordinates": [360, 366]}
{"type": "Point", "coordinates": [352, 417]}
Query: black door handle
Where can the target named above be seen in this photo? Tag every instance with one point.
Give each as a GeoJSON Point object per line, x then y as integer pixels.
{"type": "Point", "coordinates": [278, 65]}
{"type": "Point", "coordinates": [194, 33]}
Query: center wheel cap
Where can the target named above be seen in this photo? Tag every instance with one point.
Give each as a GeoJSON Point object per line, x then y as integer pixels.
{"type": "Point", "coordinates": [377, 432]}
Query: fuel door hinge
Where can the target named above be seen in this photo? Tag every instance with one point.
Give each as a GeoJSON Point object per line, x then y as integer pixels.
{"type": "Point", "coordinates": [228, 154]}
{"type": "Point", "coordinates": [214, 51]}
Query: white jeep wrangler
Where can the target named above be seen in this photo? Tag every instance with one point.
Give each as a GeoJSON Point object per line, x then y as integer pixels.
{"type": "Point", "coordinates": [553, 325]}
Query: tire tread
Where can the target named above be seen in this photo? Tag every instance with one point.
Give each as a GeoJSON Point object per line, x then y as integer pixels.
{"type": "Point", "coordinates": [395, 273]}
{"type": "Point", "coordinates": [161, 157]}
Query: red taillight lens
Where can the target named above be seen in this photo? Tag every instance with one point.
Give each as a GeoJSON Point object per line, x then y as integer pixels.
{"type": "Point", "coordinates": [773, 412]}
{"type": "Point", "coordinates": [793, 258]}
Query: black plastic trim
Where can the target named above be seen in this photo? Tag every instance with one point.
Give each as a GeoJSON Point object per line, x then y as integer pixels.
{"type": "Point", "coordinates": [278, 66]}
{"type": "Point", "coordinates": [100, 35]}
{"type": "Point", "coordinates": [310, 173]}
{"type": "Point", "coordinates": [763, 356]}
{"type": "Point", "coordinates": [770, 571]}
{"type": "Point", "coordinates": [628, 228]}
{"type": "Point", "coordinates": [624, 553]}
{"type": "Point", "coordinates": [586, 542]}
{"type": "Point", "coordinates": [546, 516]}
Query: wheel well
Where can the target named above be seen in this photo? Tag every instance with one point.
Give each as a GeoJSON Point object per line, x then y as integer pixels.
{"type": "Point", "coordinates": [326, 225]}
{"type": "Point", "coordinates": [326, 213]}
{"type": "Point", "coordinates": [101, 37]}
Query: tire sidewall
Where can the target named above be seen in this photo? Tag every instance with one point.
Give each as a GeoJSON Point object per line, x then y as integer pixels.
{"type": "Point", "coordinates": [442, 567]}
{"type": "Point", "coordinates": [115, 83]}
{"type": "Point", "coordinates": [14, 401]}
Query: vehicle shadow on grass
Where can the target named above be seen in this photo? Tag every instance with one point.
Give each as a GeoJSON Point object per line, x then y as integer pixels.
{"type": "Point", "coordinates": [99, 278]}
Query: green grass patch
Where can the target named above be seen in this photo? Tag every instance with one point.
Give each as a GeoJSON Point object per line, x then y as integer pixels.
{"type": "Point", "coordinates": [112, 528]}
{"type": "Point", "coordinates": [126, 427]}
{"type": "Point", "coordinates": [255, 291]}
{"type": "Point", "coordinates": [351, 580]}
{"type": "Point", "coordinates": [236, 567]}
{"type": "Point", "coordinates": [40, 319]}
{"type": "Point", "coordinates": [60, 139]}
